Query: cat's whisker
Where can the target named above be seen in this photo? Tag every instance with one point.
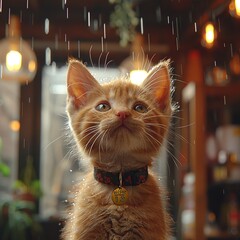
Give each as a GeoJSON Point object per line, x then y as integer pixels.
{"type": "Point", "coordinates": [55, 140]}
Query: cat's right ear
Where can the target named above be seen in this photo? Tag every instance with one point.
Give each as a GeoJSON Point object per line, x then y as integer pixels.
{"type": "Point", "coordinates": [79, 83]}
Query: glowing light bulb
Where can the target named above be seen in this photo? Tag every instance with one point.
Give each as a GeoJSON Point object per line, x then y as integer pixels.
{"type": "Point", "coordinates": [209, 37]}
{"type": "Point", "coordinates": [137, 76]}
{"type": "Point", "coordinates": [234, 8]}
{"type": "Point", "coordinates": [237, 7]}
{"type": "Point", "coordinates": [13, 61]}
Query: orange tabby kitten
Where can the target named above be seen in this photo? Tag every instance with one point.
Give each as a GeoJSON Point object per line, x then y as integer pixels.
{"type": "Point", "coordinates": [119, 128]}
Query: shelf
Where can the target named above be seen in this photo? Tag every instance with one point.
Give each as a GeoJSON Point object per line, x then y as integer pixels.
{"type": "Point", "coordinates": [228, 90]}
{"type": "Point", "coordinates": [224, 236]}
{"type": "Point", "coordinates": [225, 183]}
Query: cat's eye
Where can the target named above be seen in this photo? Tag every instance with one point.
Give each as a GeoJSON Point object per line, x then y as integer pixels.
{"type": "Point", "coordinates": [103, 107]}
{"type": "Point", "coordinates": [141, 108]}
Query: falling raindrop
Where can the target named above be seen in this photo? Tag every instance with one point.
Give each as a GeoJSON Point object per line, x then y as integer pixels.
{"type": "Point", "coordinates": [46, 26]}
{"type": "Point", "coordinates": [68, 45]}
{"type": "Point", "coordinates": [159, 14]}
{"type": "Point", "coordinates": [177, 29]}
{"type": "Point", "coordinates": [63, 4]}
{"type": "Point", "coordinates": [48, 56]}
{"type": "Point", "coordinates": [78, 47]}
{"type": "Point", "coordinates": [9, 16]}
{"type": "Point", "coordinates": [177, 44]}
{"type": "Point", "coordinates": [195, 27]}
{"type": "Point", "coordinates": [231, 49]}
{"type": "Point", "coordinates": [67, 12]}
{"type": "Point", "coordinates": [102, 43]}
{"type": "Point", "coordinates": [224, 100]}
{"type": "Point", "coordinates": [27, 4]}
{"type": "Point", "coordinates": [89, 19]}
{"type": "Point", "coordinates": [70, 170]}
{"type": "Point", "coordinates": [168, 19]}
{"type": "Point", "coordinates": [104, 31]}
{"type": "Point", "coordinates": [0, 5]}
{"type": "Point", "coordinates": [141, 24]}
{"type": "Point", "coordinates": [149, 43]}
{"type": "Point", "coordinates": [172, 28]}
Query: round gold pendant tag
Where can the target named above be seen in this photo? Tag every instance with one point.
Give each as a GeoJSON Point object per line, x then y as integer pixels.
{"type": "Point", "coordinates": [120, 196]}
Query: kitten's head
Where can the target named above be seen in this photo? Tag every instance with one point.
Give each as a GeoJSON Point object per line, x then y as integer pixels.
{"type": "Point", "coordinates": [119, 119]}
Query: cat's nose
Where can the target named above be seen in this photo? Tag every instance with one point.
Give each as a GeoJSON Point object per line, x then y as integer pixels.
{"type": "Point", "coordinates": [122, 114]}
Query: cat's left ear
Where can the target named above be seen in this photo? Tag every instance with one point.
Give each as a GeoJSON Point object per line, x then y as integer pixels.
{"type": "Point", "coordinates": [79, 83]}
{"type": "Point", "coordinates": [158, 82]}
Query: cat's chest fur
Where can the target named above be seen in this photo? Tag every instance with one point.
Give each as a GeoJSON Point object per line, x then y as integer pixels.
{"type": "Point", "coordinates": [96, 217]}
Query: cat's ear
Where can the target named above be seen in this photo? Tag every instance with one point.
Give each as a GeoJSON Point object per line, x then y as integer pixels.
{"type": "Point", "coordinates": [79, 82]}
{"type": "Point", "coordinates": [158, 82]}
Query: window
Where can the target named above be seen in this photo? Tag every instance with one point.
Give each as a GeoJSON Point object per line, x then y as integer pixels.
{"type": "Point", "coordinates": [60, 167]}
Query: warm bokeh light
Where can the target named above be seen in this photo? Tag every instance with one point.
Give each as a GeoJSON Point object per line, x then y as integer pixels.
{"type": "Point", "coordinates": [13, 61]}
{"type": "Point", "coordinates": [137, 76]}
{"type": "Point", "coordinates": [234, 8]}
{"type": "Point", "coordinates": [15, 125]}
{"type": "Point", "coordinates": [209, 29]}
{"type": "Point", "coordinates": [32, 66]}
{"type": "Point", "coordinates": [209, 35]}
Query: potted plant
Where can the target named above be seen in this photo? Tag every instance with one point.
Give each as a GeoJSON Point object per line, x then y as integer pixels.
{"type": "Point", "coordinates": [29, 187]}
{"type": "Point", "coordinates": [17, 221]}
{"type": "Point", "coordinates": [17, 218]}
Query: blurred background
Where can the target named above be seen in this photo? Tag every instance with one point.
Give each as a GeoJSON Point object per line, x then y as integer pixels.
{"type": "Point", "coordinates": [200, 164]}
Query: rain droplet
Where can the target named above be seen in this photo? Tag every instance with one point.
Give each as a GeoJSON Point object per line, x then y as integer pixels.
{"type": "Point", "coordinates": [104, 31]}
{"type": "Point", "coordinates": [27, 4]}
{"type": "Point", "coordinates": [48, 56]}
{"type": "Point", "coordinates": [68, 45]}
{"type": "Point", "coordinates": [89, 19]}
{"type": "Point", "coordinates": [159, 14]}
{"type": "Point", "coordinates": [141, 23]}
{"type": "Point", "coordinates": [102, 43]}
{"type": "Point", "coordinates": [9, 16]}
{"type": "Point", "coordinates": [224, 100]}
{"type": "Point", "coordinates": [231, 49]}
{"type": "Point", "coordinates": [172, 28]}
{"type": "Point", "coordinates": [78, 47]}
{"type": "Point", "coordinates": [149, 43]}
{"type": "Point", "coordinates": [46, 26]}
{"type": "Point", "coordinates": [67, 12]}
{"type": "Point", "coordinates": [168, 19]}
{"type": "Point", "coordinates": [177, 45]}
{"type": "Point", "coordinates": [0, 5]}
{"type": "Point", "coordinates": [195, 27]}
{"type": "Point", "coordinates": [70, 170]}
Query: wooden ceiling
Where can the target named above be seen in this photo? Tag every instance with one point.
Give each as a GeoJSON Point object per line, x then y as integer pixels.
{"type": "Point", "coordinates": [169, 26]}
